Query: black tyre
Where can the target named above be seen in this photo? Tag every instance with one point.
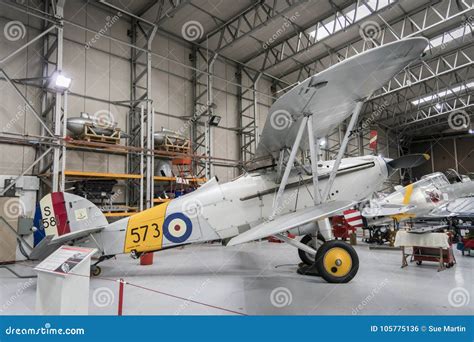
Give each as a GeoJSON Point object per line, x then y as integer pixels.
{"type": "Point", "coordinates": [306, 258]}
{"type": "Point", "coordinates": [337, 262]}
{"type": "Point", "coordinates": [418, 262]}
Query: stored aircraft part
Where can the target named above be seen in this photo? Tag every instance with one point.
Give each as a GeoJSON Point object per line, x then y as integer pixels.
{"type": "Point", "coordinates": [95, 189]}
{"type": "Point", "coordinates": [171, 141]}
{"type": "Point", "coordinates": [100, 125]}
{"type": "Point", "coordinates": [163, 168]}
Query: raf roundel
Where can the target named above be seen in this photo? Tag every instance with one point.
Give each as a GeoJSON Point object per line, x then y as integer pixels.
{"type": "Point", "coordinates": [177, 228]}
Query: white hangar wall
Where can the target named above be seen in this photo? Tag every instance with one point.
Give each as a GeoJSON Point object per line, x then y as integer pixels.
{"type": "Point", "coordinates": [101, 75]}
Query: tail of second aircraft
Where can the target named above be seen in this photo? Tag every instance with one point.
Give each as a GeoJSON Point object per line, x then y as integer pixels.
{"type": "Point", "coordinates": [62, 213]}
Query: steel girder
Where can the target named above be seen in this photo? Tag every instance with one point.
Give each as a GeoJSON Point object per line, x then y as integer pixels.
{"type": "Point", "coordinates": [302, 40]}
{"type": "Point", "coordinates": [433, 115]}
{"type": "Point", "coordinates": [248, 21]}
{"type": "Point", "coordinates": [415, 23]}
{"type": "Point", "coordinates": [165, 10]}
{"type": "Point", "coordinates": [452, 61]}
{"type": "Point", "coordinates": [141, 117]}
{"type": "Point", "coordinates": [203, 102]}
{"type": "Point", "coordinates": [440, 73]}
{"type": "Point", "coordinates": [248, 112]}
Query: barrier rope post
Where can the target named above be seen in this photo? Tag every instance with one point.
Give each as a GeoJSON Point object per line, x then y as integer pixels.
{"type": "Point", "coordinates": [120, 299]}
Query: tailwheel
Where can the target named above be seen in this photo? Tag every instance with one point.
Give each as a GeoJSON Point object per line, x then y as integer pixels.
{"type": "Point", "coordinates": [96, 270]}
{"type": "Point", "coordinates": [337, 262]}
{"type": "Point", "coordinates": [307, 258]}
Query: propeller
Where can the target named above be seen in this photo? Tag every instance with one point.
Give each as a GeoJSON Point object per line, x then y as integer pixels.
{"type": "Point", "coordinates": [408, 161]}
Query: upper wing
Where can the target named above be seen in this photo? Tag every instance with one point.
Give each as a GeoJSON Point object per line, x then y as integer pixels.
{"type": "Point", "coordinates": [332, 94]}
{"type": "Point", "coordinates": [288, 221]}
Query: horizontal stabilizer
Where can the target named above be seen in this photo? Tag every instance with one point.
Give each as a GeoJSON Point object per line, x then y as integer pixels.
{"type": "Point", "coordinates": [43, 249]}
{"type": "Point", "coordinates": [76, 235]}
{"type": "Point", "coordinates": [291, 220]}
{"type": "Point", "coordinates": [50, 243]}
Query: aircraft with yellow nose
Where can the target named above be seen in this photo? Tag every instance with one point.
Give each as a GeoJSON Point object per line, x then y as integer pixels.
{"type": "Point", "coordinates": [421, 199]}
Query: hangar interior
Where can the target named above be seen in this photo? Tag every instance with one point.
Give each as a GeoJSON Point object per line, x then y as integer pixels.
{"type": "Point", "coordinates": [181, 91]}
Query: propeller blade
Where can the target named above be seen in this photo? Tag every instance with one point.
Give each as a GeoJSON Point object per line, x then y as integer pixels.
{"type": "Point", "coordinates": [408, 161]}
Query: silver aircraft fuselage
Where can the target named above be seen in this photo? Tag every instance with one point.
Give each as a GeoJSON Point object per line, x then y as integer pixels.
{"type": "Point", "coordinates": [420, 199]}
{"type": "Point", "coordinates": [221, 211]}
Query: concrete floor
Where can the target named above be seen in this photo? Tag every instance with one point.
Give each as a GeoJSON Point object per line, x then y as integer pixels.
{"type": "Point", "coordinates": [260, 279]}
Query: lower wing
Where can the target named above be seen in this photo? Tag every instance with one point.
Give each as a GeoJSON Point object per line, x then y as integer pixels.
{"type": "Point", "coordinates": [291, 220]}
{"type": "Point", "coordinates": [386, 210]}
{"type": "Point", "coordinates": [459, 207]}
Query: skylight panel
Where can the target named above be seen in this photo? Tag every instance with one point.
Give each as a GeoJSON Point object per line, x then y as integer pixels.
{"type": "Point", "coordinates": [443, 93]}
{"type": "Point", "coordinates": [364, 10]}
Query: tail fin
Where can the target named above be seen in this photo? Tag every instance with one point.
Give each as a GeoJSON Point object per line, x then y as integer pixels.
{"type": "Point", "coordinates": [63, 213]}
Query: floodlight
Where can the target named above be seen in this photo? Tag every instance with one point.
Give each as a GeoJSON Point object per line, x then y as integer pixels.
{"type": "Point", "coordinates": [61, 81]}
{"type": "Point", "coordinates": [214, 120]}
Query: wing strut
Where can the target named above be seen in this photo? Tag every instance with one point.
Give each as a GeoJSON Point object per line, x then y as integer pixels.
{"type": "Point", "coordinates": [314, 154]}
{"type": "Point", "coordinates": [342, 149]}
{"type": "Point", "coordinates": [289, 165]}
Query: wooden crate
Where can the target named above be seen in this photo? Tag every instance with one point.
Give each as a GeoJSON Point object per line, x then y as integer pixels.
{"type": "Point", "coordinates": [173, 144]}
{"type": "Point", "coordinates": [91, 135]}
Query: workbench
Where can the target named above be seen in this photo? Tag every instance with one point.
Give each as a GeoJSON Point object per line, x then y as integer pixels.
{"type": "Point", "coordinates": [426, 247]}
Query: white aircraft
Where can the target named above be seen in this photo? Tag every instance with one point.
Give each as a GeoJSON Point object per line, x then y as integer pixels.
{"type": "Point", "coordinates": [285, 196]}
{"type": "Point", "coordinates": [433, 196]}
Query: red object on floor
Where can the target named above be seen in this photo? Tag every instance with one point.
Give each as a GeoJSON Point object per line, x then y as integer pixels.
{"type": "Point", "coordinates": [468, 243]}
{"type": "Point", "coordinates": [341, 229]}
{"type": "Point", "coordinates": [146, 259]}
{"type": "Point", "coordinates": [274, 239]}
{"type": "Point", "coordinates": [433, 254]}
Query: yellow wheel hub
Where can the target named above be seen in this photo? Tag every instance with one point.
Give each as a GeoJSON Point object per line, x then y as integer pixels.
{"type": "Point", "coordinates": [337, 262]}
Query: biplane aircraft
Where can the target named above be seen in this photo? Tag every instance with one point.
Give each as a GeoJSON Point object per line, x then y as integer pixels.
{"type": "Point", "coordinates": [279, 195]}
{"type": "Point", "coordinates": [434, 196]}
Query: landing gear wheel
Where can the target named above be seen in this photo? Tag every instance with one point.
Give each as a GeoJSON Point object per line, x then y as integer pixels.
{"type": "Point", "coordinates": [96, 270]}
{"type": "Point", "coordinates": [337, 262]}
{"type": "Point", "coordinates": [307, 258]}
{"type": "Point", "coordinates": [418, 262]}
